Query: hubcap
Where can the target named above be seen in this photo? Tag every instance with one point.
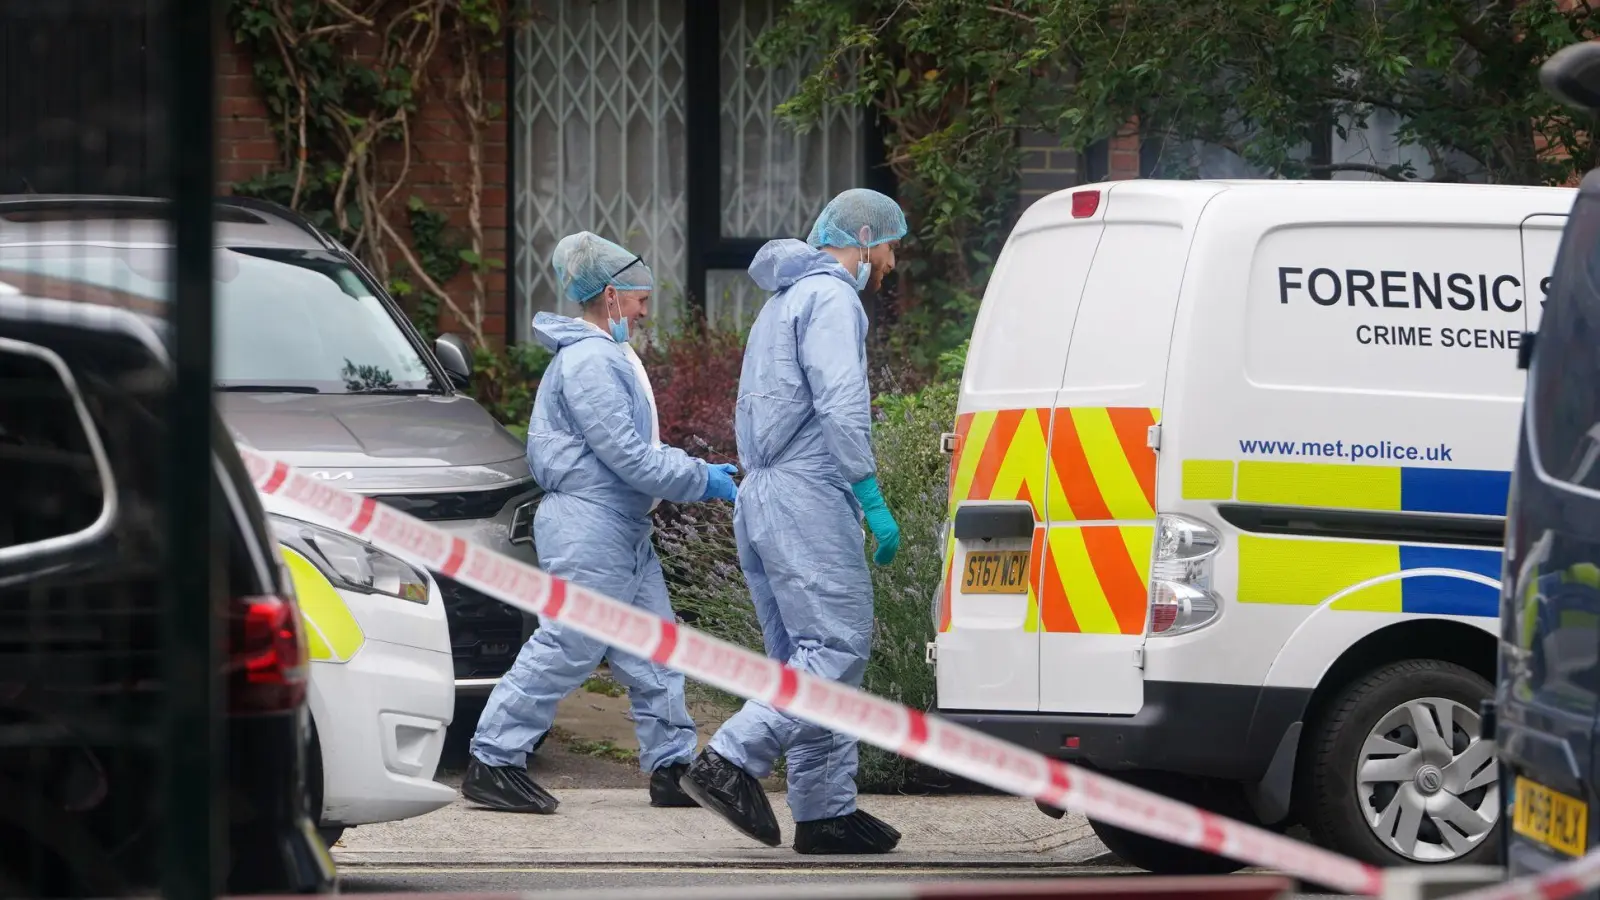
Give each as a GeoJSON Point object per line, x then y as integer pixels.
{"type": "Point", "coordinates": [1426, 781]}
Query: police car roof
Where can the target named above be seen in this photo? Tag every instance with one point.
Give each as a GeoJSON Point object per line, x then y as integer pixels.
{"type": "Point", "coordinates": [91, 219]}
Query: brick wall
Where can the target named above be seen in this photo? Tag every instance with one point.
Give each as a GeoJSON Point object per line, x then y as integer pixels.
{"type": "Point", "coordinates": [439, 172]}
{"type": "Point", "coordinates": [1048, 167]}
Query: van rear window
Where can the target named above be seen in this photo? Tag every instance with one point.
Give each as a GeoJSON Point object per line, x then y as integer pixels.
{"type": "Point", "coordinates": [1564, 394]}
{"type": "Point", "coordinates": [1020, 340]}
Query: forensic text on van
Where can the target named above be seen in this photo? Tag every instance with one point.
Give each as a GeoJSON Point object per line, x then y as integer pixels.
{"type": "Point", "coordinates": [1402, 289]}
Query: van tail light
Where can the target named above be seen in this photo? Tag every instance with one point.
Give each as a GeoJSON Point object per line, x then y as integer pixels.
{"type": "Point", "coordinates": [267, 658]}
{"type": "Point", "coordinates": [1181, 599]}
{"type": "Point", "coordinates": [1084, 204]}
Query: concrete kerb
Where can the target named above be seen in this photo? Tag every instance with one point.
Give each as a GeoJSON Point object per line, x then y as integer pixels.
{"type": "Point", "coordinates": [616, 827]}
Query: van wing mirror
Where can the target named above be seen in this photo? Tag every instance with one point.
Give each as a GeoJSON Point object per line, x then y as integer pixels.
{"type": "Point", "coordinates": [1572, 76]}
{"type": "Point", "coordinates": [456, 359]}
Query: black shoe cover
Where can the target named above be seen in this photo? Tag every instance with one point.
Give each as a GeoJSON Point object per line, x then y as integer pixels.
{"type": "Point", "coordinates": [506, 788]}
{"type": "Point", "coordinates": [858, 832]}
{"type": "Point", "coordinates": [733, 794]}
{"type": "Point", "coordinates": [664, 788]}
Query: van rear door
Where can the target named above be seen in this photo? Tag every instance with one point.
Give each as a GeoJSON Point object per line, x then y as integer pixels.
{"type": "Point", "coordinates": [988, 609]}
{"type": "Point", "coordinates": [1095, 574]}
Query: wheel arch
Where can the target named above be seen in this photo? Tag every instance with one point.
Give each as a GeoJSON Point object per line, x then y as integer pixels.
{"type": "Point", "coordinates": [1447, 640]}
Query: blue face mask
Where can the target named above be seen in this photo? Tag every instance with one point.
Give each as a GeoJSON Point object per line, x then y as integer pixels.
{"type": "Point", "coordinates": [863, 275]}
{"type": "Point", "coordinates": [619, 329]}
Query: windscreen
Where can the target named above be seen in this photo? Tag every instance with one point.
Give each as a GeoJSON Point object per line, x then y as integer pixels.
{"type": "Point", "coordinates": [1564, 395]}
{"type": "Point", "coordinates": [286, 320]}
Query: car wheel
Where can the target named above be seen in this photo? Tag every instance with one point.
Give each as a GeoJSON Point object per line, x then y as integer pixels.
{"type": "Point", "coordinates": [1398, 772]}
{"type": "Point", "coordinates": [1163, 857]}
{"type": "Point", "coordinates": [330, 834]}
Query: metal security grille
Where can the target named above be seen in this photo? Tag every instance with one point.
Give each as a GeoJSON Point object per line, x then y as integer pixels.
{"type": "Point", "coordinates": [598, 120]}
{"type": "Point", "coordinates": [774, 178]}
{"type": "Point", "coordinates": [603, 94]}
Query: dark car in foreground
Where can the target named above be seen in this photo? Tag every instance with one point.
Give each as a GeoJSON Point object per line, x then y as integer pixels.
{"type": "Point", "coordinates": [1547, 704]}
{"type": "Point", "coordinates": [318, 366]}
{"type": "Point", "coordinates": [82, 430]}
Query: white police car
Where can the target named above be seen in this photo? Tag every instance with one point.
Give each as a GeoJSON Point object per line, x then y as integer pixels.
{"type": "Point", "coordinates": [382, 681]}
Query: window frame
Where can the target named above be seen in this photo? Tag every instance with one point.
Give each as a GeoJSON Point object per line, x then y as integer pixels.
{"type": "Point", "coordinates": [106, 520]}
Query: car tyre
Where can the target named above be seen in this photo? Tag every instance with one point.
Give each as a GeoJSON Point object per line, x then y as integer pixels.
{"type": "Point", "coordinates": [1334, 802]}
{"type": "Point", "coordinates": [330, 834]}
{"type": "Point", "coordinates": [1161, 857]}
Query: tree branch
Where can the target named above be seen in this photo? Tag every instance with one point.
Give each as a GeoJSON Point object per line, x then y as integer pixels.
{"type": "Point", "coordinates": [1369, 168]}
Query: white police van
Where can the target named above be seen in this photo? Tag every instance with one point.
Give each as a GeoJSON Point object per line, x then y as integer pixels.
{"type": "Point", "coordinates": [1227, 499]}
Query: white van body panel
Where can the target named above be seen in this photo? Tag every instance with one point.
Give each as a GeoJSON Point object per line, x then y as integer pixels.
{"type": "Point", "coordinates": [1326, 633]}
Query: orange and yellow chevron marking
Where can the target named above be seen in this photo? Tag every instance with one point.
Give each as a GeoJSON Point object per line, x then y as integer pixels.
{"type": "Point", "coordinates": [1079, 464]}
{"type": "Point", "coordinates": [1098, 580]}
{"type": "Point", "coordinates": [1103, 461]}
{"type": "Point", "coordinates": [1001, 455]}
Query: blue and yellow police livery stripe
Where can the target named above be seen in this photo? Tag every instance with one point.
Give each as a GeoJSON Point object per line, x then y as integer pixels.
{"type": "Point", "coordinates": [332, 632]}
{"type": "Point", "coordinates": [1480, 492]}
{"type": "Point", "coordinates": [1369, 576]}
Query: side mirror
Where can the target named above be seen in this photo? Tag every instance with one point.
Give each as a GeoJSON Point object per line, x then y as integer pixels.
{"type": "Point", "coordinates": [456, 359]}
{"type": "Point", "coordinates": [1572, 76]}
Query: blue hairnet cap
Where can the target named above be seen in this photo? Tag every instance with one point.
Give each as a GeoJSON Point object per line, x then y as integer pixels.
{"type": "Point", "coordinates": [845, 215]}
{"type": "Point", "coordinates": [585, 263]}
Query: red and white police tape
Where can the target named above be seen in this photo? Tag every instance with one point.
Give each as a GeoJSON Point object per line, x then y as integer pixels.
{"type": "Point", "coordinates": [899, 729]}
{"type": "Point", "coordinates": [1563, 881]}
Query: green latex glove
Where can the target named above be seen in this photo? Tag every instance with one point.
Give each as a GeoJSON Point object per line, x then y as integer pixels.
{"type": "Point", "coordinates": [879, 520]}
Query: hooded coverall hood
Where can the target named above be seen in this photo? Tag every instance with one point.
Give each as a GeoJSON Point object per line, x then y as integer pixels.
{"type": "Point", "coordinates": [779, 264]}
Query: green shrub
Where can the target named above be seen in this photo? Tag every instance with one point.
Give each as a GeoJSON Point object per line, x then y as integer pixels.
{"type": "Point", "coordinates": [913, 472]}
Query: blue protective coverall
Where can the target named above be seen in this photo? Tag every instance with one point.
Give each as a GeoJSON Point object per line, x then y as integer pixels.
{"type": "Point", "coordinates": [590, 449]}
{"type": "Point", "coordinates": [804, 427]}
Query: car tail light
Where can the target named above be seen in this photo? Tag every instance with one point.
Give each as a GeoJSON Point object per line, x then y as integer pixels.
{"type": "Point", "coordinates": [267, 659]}
{"type": "Point", "coordinates": [1181, 599]}
{"type": "Point", "coordinates": [1084, 204]}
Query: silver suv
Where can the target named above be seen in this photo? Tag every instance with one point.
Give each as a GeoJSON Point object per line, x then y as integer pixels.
{"type": "Point", "coordinates": [318, 366]}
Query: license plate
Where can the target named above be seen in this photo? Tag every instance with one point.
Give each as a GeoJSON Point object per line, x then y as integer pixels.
{"type": "Point", "coordinates": [996, 572]}
{"type": "Point", "coordinates": [1551, 818]}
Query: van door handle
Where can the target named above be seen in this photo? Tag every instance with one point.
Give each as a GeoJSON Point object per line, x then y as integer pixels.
{"type": "Point", "coordinates": [994, 520]}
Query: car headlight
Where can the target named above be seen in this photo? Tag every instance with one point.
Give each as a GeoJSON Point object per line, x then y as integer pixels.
{"type": "Point", "coordinates": [351, 563]}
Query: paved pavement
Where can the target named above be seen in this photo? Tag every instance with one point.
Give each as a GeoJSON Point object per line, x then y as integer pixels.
{"type": "Point", "coordinates": [617, 827]}
{"type": "Point", "coordinates": [367, 880]}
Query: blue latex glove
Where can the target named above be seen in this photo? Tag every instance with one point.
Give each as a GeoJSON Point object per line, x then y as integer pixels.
{"type": "Point", "coordinates": [719, 482]}
{"type": "Point", "coordinates": [879, 520]}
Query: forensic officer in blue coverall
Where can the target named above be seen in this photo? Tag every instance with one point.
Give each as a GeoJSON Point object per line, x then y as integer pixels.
{"type": "Point", "coordinates": [804, 426]}
{"type": "Point", "coordinates": [594, 447]}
